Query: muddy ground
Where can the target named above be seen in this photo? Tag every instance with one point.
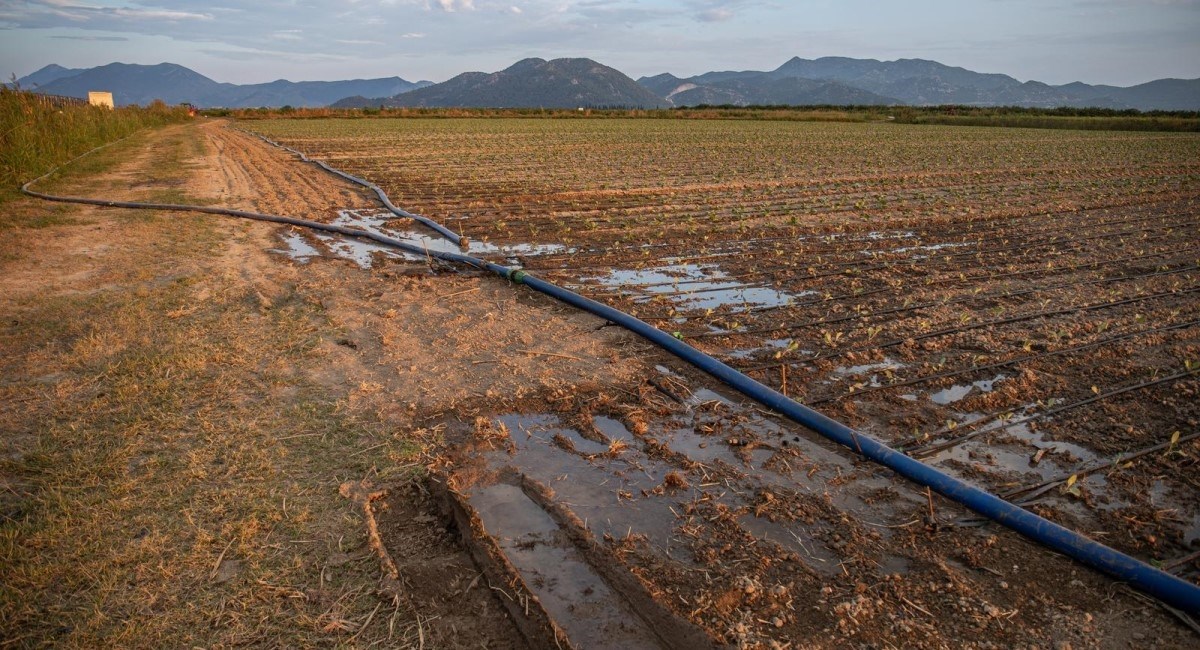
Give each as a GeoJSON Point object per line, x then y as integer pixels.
{"type": "Point", "coordinates": [535, 476]}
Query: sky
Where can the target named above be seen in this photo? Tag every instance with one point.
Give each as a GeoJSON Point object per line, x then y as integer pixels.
{"type": "Point", "coordinates": [1120, 42]}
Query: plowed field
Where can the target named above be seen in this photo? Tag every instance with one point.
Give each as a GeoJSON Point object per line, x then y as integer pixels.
{"type": "Point", "coordinates": [1018, 307]}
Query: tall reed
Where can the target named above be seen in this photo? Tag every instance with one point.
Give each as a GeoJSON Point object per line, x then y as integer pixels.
{"type": "Point", "coordinates": [38, 133]}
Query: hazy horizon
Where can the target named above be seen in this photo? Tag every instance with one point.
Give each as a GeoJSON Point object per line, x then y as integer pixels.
{"type": "Point", "coordinates": [1115, 42]}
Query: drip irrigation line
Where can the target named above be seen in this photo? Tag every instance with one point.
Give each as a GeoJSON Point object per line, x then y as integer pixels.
{"type": "Point", "coordinates": [945, 280]}
{"type": "Point", "coordinates": [932, 448]}
{"type": "Point", "coordinates": [777, 208]}
{"type": "Point", "coordinates": [445, 232]}
{"type": "Point", "coordinates": [1168, 588]}
{"type": "Point", "coordinates": [756, 310]}
{"type": "Point", "coordinates": [901, 232]}
{"type": "Point", "coordinates": [1036, 490]}
{"type": "Point", "coordinates": [1178, 563]}
{"type": "Point", "coordinates": [730, 247]}
{"type": "Point", "coordinates": [953, 301]}
{"type": "Point", "coordinates": [1004, 364]}
{"type": "Point", "coordinates": [914, 263]}
{"type": "Point", "coordinates": [916, 230]}
{"type": "Point", "coordinates": [991, 277]}
{"type": "Point", "coordinates": [981, 324]}
{"type": "Point", "coordinates": [634, 294]}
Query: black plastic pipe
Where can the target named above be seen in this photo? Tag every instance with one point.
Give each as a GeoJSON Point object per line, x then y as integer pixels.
{"type": "Point", "coordinates": [407, 247]}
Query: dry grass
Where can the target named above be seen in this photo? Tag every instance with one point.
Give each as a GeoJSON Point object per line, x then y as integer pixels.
{"type": "Point", "coordinates": [169, 470]}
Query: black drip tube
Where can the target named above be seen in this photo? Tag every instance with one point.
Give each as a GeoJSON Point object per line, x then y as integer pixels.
{"type": "Point", "coordinates": [1170, 589]}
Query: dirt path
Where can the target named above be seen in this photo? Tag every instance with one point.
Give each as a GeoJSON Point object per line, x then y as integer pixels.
{"type": "Point", "coordinates": [195, 430]}
{"type": "Point", "coordinates": [180, 408]}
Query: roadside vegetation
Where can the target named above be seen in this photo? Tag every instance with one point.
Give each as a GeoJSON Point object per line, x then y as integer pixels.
{"type": "Point", "coordinates": [39, 133]}
{"type": "Point", "coordinates": [998, 116]}
{"type": "Point", "coordinates": [1103, 119]}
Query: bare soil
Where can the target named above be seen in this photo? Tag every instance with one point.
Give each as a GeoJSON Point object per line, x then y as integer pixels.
{"type": "Point", "coordinates": [180, 342]}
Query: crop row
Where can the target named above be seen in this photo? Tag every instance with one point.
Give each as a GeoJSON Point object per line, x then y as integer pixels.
{"type": "Point", "coordinates": [868, 268]}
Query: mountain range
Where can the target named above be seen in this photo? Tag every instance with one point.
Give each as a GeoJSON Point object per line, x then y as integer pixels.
{"type": "Point", "coordinates": [916, 82]}
{"type": "Point", "coordinates": [571, 83]}
{"type": "Point", "coordinates": [529, 83]}
{"type": "Point", "coordinates": [174, 84]}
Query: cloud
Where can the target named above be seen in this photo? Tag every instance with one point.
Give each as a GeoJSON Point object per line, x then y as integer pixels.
{"type": "Point", "coordinates": [91, 38]}
{"type": "Point", "coordinates": [456, 5]}
{"type": "Point", "coordinates": [35, 11]}
{"type": "Point", "coordinates": [157, 14]}
{"type": "Point", "coordinates": [719, 11]}
{"type": "Point", "coordinates": [714, 15]}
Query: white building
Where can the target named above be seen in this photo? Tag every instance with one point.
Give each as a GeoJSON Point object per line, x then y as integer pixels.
{"type": "Point", "coordinates": [98, 98]}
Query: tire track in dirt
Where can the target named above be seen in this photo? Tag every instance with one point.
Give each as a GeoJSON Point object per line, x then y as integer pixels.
{"type": "Point", "coordinates": [271, 181]}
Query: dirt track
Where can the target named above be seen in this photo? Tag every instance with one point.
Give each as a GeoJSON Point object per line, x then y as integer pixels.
{"type": "Point", "coordinates": [637, 502]}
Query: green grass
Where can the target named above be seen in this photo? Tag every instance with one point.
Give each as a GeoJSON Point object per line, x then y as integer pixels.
{"type": "Point", "coordinates": [995, 116]}
{"type": "Point", "coordinates": [1071, 122]}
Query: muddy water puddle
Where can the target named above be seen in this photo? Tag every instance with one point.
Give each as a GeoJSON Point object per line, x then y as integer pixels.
{"type": "Point", "coordinates": [711, 450]}
{"type": "Point", "coordinates": [931, 248]}
{"type": "Point", "coordinates": [297, 248]}
{"type": "Point", "coordinates": [776, 348]}
{"type": "Point", "coordinates": [692, 286]}
{"type": "Point", "coordinates": [1011, 454]}
{"type": "Point", "coordinates": [959, 392]}
{"type": "Point", "coordinates": [570, 590]}
{"type": "Point", "coordinates": [870, 371]}
{"type": "Point", "coordinates": [363, 252]}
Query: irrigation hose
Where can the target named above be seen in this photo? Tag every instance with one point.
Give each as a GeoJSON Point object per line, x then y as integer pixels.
{"type": "Point", "coordinates": [1173, 591]}
{"type": "Point", "coordinates": [383, 197]}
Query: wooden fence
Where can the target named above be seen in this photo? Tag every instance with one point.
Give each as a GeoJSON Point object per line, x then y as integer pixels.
{"type": "Point", "coordinates": [56, 101]}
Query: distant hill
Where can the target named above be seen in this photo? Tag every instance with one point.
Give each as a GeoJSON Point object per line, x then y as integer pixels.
{"type": "Point", "coordinates": [52, 72]}
{"type": "Point", "coordinates": [762, 89]}
{"type": "Point", "coordinates": [913, 81]}
{"type": "Point", "coordinates": [174, 84]}
{"type": "Point", "coordinates": [1163, 94]}
{"type": "Point", "coordinates": [317, 93]}
{"type": "Point", "coordinates": [141, 84]}
{"type": "Point", "coordinates": [530, 83]}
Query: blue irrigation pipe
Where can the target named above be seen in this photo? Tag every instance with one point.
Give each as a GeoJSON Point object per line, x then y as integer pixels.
{"type": "Point", "coordinates": [1170, 589]}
